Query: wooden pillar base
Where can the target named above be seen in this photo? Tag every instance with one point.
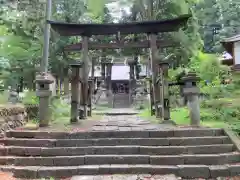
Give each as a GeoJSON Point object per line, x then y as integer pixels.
{"type": "Point", "coordinates": [81, 114]}
{"type": "Point", "coordinates": [74, 112]}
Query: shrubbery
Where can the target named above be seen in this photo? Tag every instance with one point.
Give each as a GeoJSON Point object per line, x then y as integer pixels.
{"type": "Point", "coordinates": [221, 101]}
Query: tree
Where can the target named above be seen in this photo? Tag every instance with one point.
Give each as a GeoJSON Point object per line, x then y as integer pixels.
{"type": "Point", "coordinates": [218, 19]}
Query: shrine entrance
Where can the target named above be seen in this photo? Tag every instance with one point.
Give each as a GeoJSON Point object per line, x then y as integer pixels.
{"type": "Point", "coordinates": [120, 40]}
{"type": "Point", "coordinates": [120, 87]}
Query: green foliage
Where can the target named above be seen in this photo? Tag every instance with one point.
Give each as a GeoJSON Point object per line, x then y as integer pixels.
{"type": "Point", "coordinates": [4, 97]}
{"type": "Point", "coordinates": [30, 98]}
{"type": "Point", "coordinates": [220, 14]}
{"type": "Point", "coordinates": [208, 67]}
{"type": "Point", "coordinates": [60, 111]}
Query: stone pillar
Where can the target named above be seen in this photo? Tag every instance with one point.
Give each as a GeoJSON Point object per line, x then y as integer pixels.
{"type": "Point", "coordinates": [44, 93]}
{"type": "Point", "coordinates": [75, 89]}
{"type": "Point", "coordinates": [191, 91]}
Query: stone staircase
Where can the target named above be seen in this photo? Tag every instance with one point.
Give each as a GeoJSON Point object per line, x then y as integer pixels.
{"type": "Point", "coordinates": [187, 153]}
{"type": "Point", "coordinates": [121, 100]}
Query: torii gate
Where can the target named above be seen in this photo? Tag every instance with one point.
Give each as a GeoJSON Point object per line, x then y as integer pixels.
{"type": "Point", "coordinates": [87, 30]}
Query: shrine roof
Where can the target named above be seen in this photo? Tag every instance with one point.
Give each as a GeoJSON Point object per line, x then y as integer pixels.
{"type": "Point", "coordinates": [168, 25]}
{"type": "Point", "coordinates": [229, 42]}
{"type": "Point", "coordinates": [232, 39]}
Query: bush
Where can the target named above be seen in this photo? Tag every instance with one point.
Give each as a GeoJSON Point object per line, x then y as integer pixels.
{"type": "Point", "coordinates": [30, 98]}
{"type": "Point", "coordinates": [4, 97]}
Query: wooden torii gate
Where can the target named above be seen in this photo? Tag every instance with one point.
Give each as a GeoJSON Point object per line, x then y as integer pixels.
{"type": "Point", "coordinates": [87, 30]}
{"type": "Point", "coordinates": [123, 43]}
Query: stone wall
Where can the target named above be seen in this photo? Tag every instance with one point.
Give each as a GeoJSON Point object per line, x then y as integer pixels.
{"type": "Point", "coordinates": [31, 111]}
{"type": "Point", "coordinates": [11, 116]}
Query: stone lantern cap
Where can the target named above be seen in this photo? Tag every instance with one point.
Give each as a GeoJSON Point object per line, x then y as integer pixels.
{"type": "Point", "coordinates": [191, 77]}
{"type": "Point", "coordinates": [44, 78]}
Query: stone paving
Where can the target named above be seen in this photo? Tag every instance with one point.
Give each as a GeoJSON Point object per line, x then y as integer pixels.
{"type": "Point", "coordinates": [125, 120]}
{"type": "Point", "coordinates": [126, 177]}
{"type": "Point", "coordinates": [128, 121]}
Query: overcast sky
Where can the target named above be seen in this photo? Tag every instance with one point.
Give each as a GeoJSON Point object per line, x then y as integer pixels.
{"type": "Point", "coordinates": [116, 10]}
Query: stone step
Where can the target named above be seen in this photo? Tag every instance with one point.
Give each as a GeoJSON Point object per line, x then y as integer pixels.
{"type": "Point", "coordinates": [123, 150]}
{"type": "Point", "coordinates": [173, 141]}
{"type": "Point", "coordinates": [117, 134]}
{"type": "Point", "coordinates": [201, 159]}
{"type": "Point", "coordinates": [184, 171]}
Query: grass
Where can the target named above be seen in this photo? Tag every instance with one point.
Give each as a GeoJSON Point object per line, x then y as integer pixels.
{"type": "Point", "coordinates": [60, 119]}
{"type": "Point", "coordinates": [181, 117]}
{"type": "Point", "coordinates": [4, 97]}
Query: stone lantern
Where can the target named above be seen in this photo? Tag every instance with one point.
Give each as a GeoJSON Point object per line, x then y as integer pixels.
{"type": "Point", "coordinates": [44, 93]}
{"type": "Point", "coordinates": [191, 91]}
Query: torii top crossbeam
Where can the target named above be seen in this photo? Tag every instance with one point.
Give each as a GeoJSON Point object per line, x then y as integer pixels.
{"type": "Point", "coordinates": [169, 25]}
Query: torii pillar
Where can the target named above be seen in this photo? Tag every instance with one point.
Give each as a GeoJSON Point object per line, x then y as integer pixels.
{"type": "Point", "coordinates": [108, 81]}
{"type": "Point", "coordinates": [154, 68]}
{"type": "Point", "coordinates": [84, 82]}
{"type": "Point", "coordinates": [163, 68]}
{"type": "Point", "coordinates": [75, 91]}
{"type": "Point", "coordinates": [131, 80]}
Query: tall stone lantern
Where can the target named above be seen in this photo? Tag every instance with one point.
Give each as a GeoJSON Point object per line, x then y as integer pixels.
{"type": "Point", "coordinates": [191, 91]}
{"type": "Point", "coordinates": [44, 93]}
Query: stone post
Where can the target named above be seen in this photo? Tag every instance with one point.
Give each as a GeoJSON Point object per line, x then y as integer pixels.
{"type": "Point", "coordinates": [191, 91]}
{"type": "Point", "coordinates": [75, 91]}
{"type": "Point", "coordinates": [44, 93]}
